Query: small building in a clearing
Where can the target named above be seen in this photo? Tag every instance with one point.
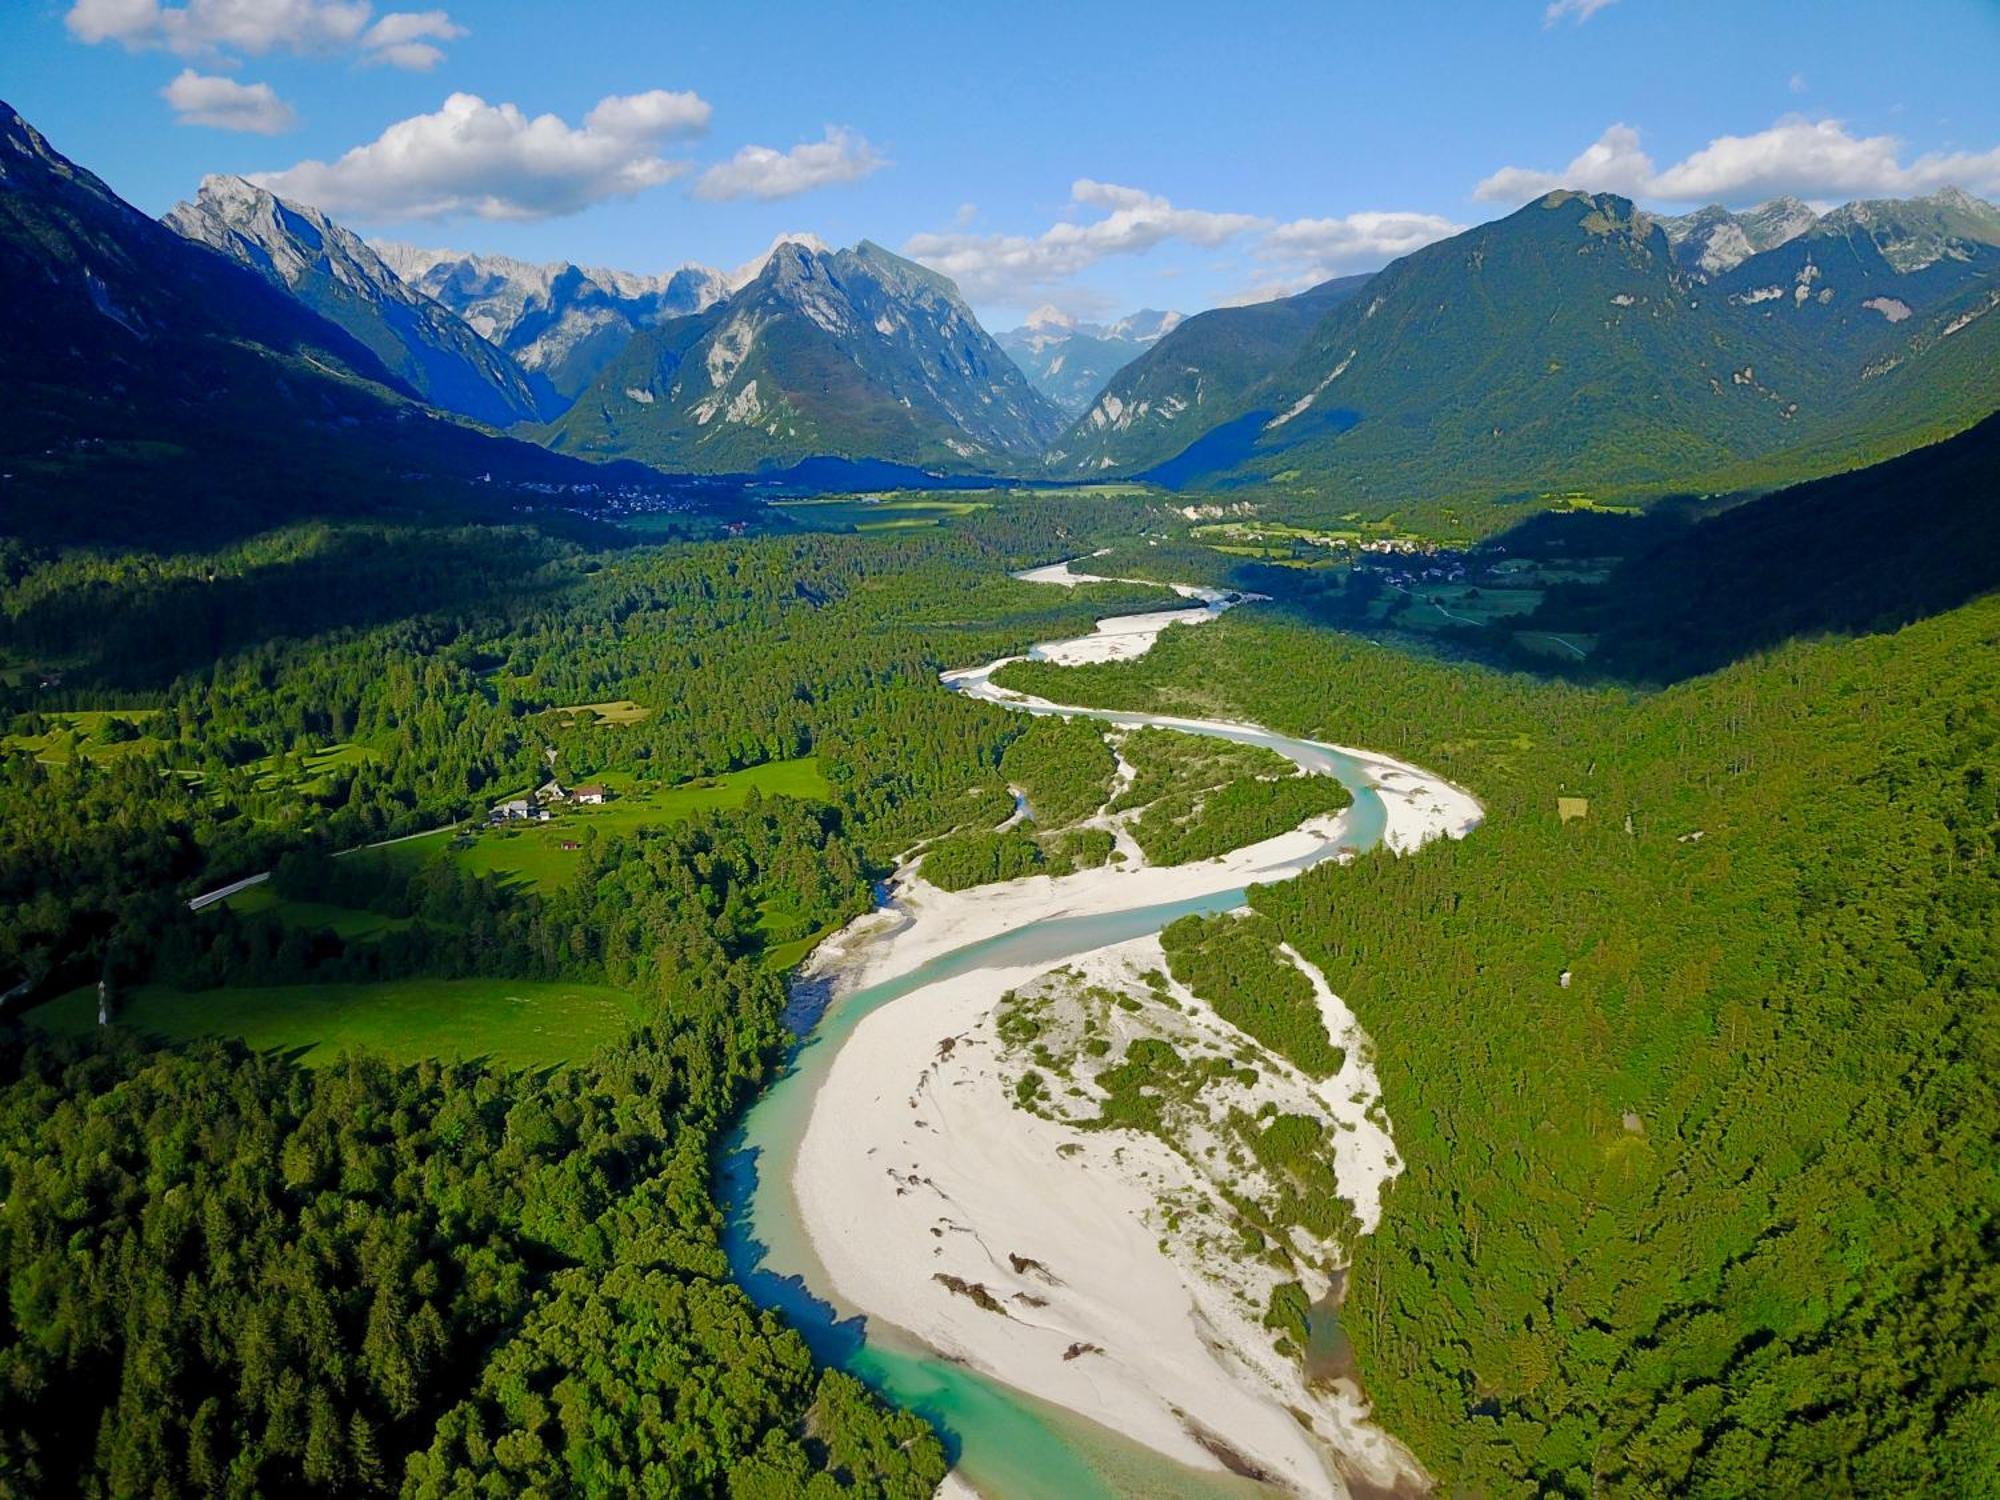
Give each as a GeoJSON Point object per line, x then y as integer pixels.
{"type": "Point", "coordinates": [588, 795]}
{"type": "Point", "coordinates": [518, 807]}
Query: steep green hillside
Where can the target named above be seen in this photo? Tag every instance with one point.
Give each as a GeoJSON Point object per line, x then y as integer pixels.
{"type": "Point", "coordinates": [1567, 347]}
{"type": "Point", "coordinates": [1869, 550]}
{"type": "Point", "coordinates": [1196, 376]}
{"type": "Point", "coordinates": [1561, 348]}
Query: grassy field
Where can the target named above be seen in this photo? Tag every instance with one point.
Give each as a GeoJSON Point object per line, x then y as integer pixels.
{"type": "Point", "coordinates": [534, 852]}
{"type": "Point", "coordinates": [891, 513]}
{"type": "Point", "coordinates": [309, 774]}
{"type": "Point", "coordinates": [350, 923]}
{"type": "Point", "coordinates": [1569, 646]}
{"type": "Point", "coordinates": [516, 1023]}
{"type": "Point", "coordinates": [1434, 606]}
{"type": "Point", "coordinates": [619, 711]}
{"type": "Point", "coordinates": [78, 731]}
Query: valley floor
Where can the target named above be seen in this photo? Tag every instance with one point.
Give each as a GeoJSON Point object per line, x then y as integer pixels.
{"type": "Point", "coordinates": [1068, 1262]}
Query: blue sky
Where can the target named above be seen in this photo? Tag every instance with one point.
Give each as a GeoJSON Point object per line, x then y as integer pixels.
{"type": "Point", "coordinates": [1101, 157]}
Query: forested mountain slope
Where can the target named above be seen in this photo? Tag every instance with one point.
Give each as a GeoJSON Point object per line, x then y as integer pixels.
{"type": "Point", "coordinates": [1566, 347]}
{"type": "Point", "coordinates": [1560, 347]}
{"type": "Point", "coordinates": [1696, 1089]}
{"type": "Point", "coordinates": [1868, 550]}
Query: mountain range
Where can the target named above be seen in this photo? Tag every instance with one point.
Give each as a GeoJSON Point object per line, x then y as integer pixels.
{"type": "Point", "coordinates": [1713, 240]}
{"type": "Point", "coordinates": [1569, 345]}
{"type": "Point", "coordinates": [330, 270]}
{"type": "Point", "coordinates": [559, 321]}
{"type": "Point", "coordinates": [1578, 344]}
{"type": "Point", "coordinates": [1070, 361]}
{"type": "Point", "coordinates": [852, 353]}
{"type": "Point", "coordinates": [158, 388]}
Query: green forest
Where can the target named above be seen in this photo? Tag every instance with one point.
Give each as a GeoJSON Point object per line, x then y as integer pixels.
{"type": "Point", "coordinates": [1694, 1092]}
{"type": "Point", "coordinates": [528, 974]}
{"type": "Point", "coordinates": [230, 1274]}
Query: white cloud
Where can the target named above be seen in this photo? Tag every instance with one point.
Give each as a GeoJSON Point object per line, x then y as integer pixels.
{"type": "Point", "coordinates": [1015, 268]}
{"type": "Point", "coordinates": [1018, 270]}
{"type": "Point", "coordinates": [1819, 159]}
{"type": "Point", "coordinates": [1807, 158]}
{"type": "Point", "coordinates": [656, 114]}
{"type": "Point", "coordinates": [492, 161]}
{"type": "Point", "coordinates": [762, 172]}
{"type": "Point", "coordinates": [408, 39]}
{"type": "Point", "coordinates": [225, 104]}
{"type": "Point", "coordinates": [1306, 252]}
{"type": "Point", "coordinates": [1578, 11]}
{"type": "Point", "coordinates": [200, 28]}
{"type": "Point", "coordinates": [1613, 164]}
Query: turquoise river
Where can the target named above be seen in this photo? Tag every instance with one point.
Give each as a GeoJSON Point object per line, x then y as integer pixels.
{"type": "Point", "coordinates": [1006, 1444]}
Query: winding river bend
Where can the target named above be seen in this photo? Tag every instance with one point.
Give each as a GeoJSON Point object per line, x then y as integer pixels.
{"type": "Point", "coordinates": [1007, 1444]}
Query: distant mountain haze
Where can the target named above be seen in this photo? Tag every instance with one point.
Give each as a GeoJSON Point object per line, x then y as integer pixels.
{"type": "Point", "coordinates": [1194, 376]}
{"type": "Point", "coordinates": [558, 321]}
{"type": "Point", "coordinates": [1070, 361]}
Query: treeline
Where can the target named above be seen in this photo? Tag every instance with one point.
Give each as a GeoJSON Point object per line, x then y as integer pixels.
{"type": "Point", "coordinates": [1234, 964]}
{"type": "Point", "coordinates": [984, 856]}
{"type": "Point", "coordinates": [1063, 767]}
{"type": "Point", "coordinates": [1696, 1093]}
{"type": "Point", "coordinates": [228, 1275]}
{"type": "Point", "coordinates": [1187, 826]}
{"type": "Point", "coordinates": [731, 870]}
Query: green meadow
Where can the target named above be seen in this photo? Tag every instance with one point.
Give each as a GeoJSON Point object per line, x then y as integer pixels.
{"type": "Point", "coordinates": [516, 1023]}
{"type": "Point", "coordinates": [891, 513]}
{"type": "Point", "coordinates": [87, 734]}
{"type": "Point", "coordinates": [535, 852]}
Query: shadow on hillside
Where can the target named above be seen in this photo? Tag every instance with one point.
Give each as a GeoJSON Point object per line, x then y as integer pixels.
{"type": "Point", "coordinates": [1873, 550]}
{"type": "Point", "coordinates": [1693, 584]}
{"type": "Point", "coordinates": [138, 627]}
